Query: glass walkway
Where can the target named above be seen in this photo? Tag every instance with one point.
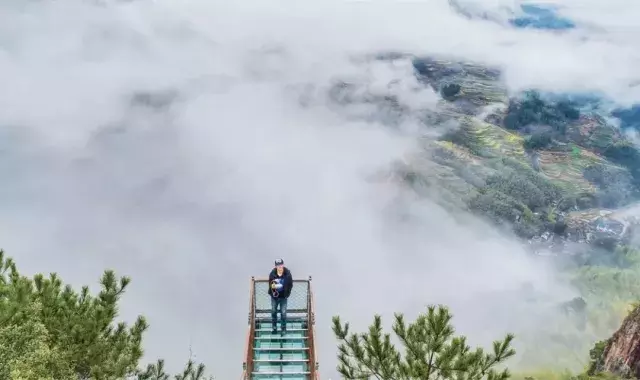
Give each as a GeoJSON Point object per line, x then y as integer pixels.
{"type": "Point", "coordinates": [290, 356]}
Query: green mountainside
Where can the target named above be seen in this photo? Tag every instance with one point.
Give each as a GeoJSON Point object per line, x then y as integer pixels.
{"type": "Point", "coordinates": [550, 168]}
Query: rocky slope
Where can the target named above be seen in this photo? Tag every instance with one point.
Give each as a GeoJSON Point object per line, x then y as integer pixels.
{"type": "Point", "coordinates": [620, 355]}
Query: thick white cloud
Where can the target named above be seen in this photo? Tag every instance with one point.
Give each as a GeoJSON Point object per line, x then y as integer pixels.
{"type": "Point", "coordinates": [251, 161]}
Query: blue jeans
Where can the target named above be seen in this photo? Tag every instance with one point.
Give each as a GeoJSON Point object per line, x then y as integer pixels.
{"type": "Point", "coordinates": [282, 302]}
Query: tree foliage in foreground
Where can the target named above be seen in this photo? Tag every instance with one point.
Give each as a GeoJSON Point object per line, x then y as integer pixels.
{"type": "Point", "coordinates": [430, 351]}
{"type": "Point", "coordinates": [48, 331]}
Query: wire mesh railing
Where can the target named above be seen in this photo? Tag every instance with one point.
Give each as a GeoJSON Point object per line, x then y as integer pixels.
{"type": "Point", "coordinates": [297, 304]}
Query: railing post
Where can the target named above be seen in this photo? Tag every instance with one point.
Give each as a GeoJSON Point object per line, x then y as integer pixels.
{"type": "Point", "coordinates": [253, 295]}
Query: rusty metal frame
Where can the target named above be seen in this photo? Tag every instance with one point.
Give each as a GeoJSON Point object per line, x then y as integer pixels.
{"type": "Point", "coordinates": [313, 358]}
{"type": "Point", "coordinates": [247, 365]}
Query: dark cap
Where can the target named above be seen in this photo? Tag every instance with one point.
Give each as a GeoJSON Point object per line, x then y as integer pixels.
{"type": "Point", "coordinates": [279, 262]}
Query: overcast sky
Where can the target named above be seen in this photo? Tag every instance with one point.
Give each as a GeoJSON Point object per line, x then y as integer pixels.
{"type": "Point", "coordinates": [246, 160]}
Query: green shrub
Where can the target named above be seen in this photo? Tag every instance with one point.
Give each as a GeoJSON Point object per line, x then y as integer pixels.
{"type": "Point", "coordinates": [538, 141]}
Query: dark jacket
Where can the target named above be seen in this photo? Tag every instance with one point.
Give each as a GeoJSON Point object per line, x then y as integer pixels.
{"type": "Point", "coordinates": [286, 279]}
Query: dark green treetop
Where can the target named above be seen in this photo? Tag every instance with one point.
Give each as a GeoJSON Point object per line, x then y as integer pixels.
{"type": "Point", "coordinates": [431, 351]}
{"type": "Point", "coordinates": [48, 331]}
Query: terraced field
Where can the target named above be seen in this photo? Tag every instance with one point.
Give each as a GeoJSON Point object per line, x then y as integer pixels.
{"type": "Point", "coordinates": [488, 140]}
{"type": "Point", "coordinates": [567, 169]}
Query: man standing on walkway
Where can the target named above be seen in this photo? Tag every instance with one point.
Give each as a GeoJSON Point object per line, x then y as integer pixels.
{"type": "Point", "coordinates": [280, 285]}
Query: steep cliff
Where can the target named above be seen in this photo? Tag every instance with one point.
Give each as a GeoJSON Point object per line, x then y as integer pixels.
{"type": "Point", "coordinates": [621, 353]}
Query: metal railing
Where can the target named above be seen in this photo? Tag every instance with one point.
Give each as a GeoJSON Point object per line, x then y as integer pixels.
{"type": "Point", "coordinates": [300, 304]}
{"type": "Point", "coordinates": [247, 366]}
{"type": "Point", "coordinates": [313, 358]}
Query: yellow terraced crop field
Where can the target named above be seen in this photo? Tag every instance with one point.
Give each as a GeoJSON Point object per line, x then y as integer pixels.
{"type": "Point", "coordinates": [568, 168]}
